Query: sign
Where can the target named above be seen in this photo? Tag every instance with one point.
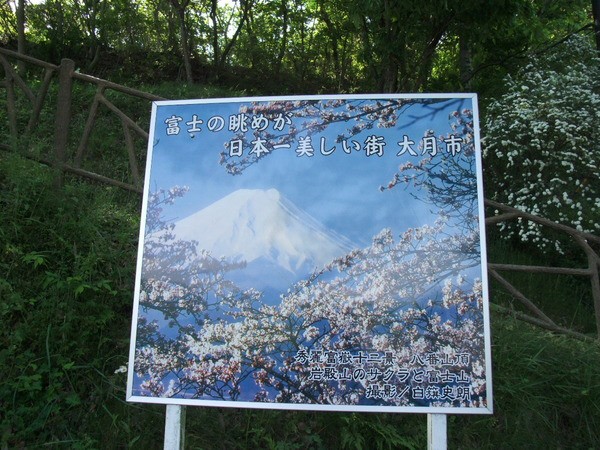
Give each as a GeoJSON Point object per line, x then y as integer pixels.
{"type": "Point", "coordinates": [315, 253]}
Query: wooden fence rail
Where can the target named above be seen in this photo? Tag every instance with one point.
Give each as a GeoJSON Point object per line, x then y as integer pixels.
{"type": "Point", "coordinates": [65, 75]}
{"type": "Point", "coordinates": [587, 242]}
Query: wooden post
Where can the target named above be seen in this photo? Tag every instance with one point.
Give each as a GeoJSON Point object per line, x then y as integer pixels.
{"type": "Point", "coordinates": [594, 268]}
{"type": "Point", "coordinates": [436, 432]}
{"type": "Point", "coordinates": [12, 111]}
{"type": "Point", "coordinates": [174, 427]}
{"type": "Point", "coordinates": [63, 117]}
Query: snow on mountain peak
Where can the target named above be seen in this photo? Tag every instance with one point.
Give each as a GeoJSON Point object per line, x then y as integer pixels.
{"type": "Point", "coordinates": [257, 224]}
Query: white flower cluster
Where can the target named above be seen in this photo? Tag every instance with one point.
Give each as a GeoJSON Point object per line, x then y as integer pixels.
{"type": "Point", "coordinates": [542, 142]}
{"type": "Point", "coordinates": [404, 297]}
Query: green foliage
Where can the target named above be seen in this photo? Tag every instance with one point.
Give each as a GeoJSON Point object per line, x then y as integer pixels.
{"type": "Point", "coordinates": [7, 25]}
{"type": "Point", "coordinates": [65, 278]}
{"type": "Point", "coordinates": [299, 46]}
{"type": "Point", "coordinates": [380, 432]}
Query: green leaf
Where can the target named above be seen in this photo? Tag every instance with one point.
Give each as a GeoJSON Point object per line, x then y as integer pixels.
{"type": "Point", "coordinates": [34, 258]}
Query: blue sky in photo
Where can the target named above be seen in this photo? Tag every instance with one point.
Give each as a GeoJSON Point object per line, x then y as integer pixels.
{"type": "Point", "coordinates": [340, 190]}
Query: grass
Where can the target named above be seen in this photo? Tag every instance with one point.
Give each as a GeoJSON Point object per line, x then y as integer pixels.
{"type": "Point", "coordinates": [546, 393]}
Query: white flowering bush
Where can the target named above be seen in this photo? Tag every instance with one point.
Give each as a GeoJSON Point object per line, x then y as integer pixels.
{"type": "Point", "coordinates": [542, 142]}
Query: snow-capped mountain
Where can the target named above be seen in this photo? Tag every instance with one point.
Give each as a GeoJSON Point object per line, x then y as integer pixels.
{"type": "Point", "coordinates": [267, 231]}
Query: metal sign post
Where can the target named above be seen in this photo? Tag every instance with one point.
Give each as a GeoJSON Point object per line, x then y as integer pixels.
{"type": "Point", "coordinates": [174, 427]}
{"type": "Point", "coordinates": [436, 432]}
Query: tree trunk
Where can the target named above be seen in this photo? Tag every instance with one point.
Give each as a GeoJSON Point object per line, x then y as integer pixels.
{"type": "Point", "coordinates": [185, 50]}
{"type": "Point", "coordinates": [464, 61]}
{"type": "Point", "coordinates": [284, 37]}
{"type": "Point", "coordinates": [215, 37]}
{"type": "Point", "coordinates": [390, 61]}
{"type": "Point", "coordinates": [368, 51]}
{"type": "Point", "coordinates": [389, 77]}
{"type": "Point", "coordinates": [252, 42]}
{"type": "Point", "coordinates": [333, 36]}
{"type": "Point", "coordinates": [185, 47]}
{"type": "Point", "coordinates": [94, 9]}
{"type": "Point", "coordinates": [245, 6]}
{"type": "Point", "coordinates": [596, 16]}
{"type": "Point", "coordinates": [426, 60]}
{"type": "Point", "coordinates": [21, 34]}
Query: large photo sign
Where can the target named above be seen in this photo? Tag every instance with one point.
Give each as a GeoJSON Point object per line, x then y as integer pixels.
{"type": "Point", "coordinates": [323, 253]}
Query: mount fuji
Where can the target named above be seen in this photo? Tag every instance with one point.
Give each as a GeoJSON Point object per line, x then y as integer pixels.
{"type": "Point", "coordinates": [279, 242]}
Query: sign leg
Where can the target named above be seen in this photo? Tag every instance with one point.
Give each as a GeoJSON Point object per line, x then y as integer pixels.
{"type": "Point", "coordinates": [436, 432]}
{"type": "Point", "coordinates": [174, 427]}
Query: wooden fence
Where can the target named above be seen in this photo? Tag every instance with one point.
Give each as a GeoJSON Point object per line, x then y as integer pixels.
{"type": "Point", "coordinates": [64, 161]}
{"type": "Point", "coordinates": [588, 243]}
{"type": "Point", "coordinates": [64, 76]}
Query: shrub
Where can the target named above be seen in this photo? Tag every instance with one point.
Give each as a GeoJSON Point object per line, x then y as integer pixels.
{"type": "Point", "coordinates": [542, 141]}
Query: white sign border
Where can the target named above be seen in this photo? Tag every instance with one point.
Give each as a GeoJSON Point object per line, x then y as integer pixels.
{"type": "Point", "coordinates": [488, 409]}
